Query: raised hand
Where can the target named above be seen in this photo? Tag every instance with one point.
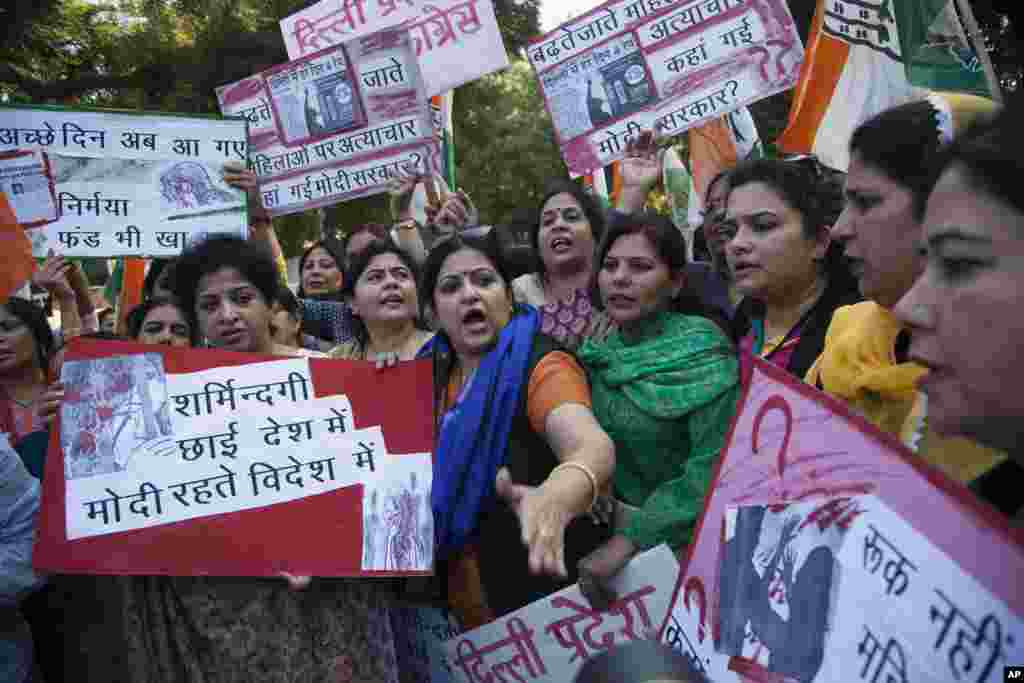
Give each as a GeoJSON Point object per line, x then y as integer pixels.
{"type": "Point", "coordinates": [53, 277]}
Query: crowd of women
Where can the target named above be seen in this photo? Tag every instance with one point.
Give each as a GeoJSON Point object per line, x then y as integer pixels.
{"type": "Point", "coordinates": [580, 404]}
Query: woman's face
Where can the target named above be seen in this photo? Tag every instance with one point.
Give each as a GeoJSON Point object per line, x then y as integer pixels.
{"type": "Point", "coordinates": [232, 312]}
{"type": "Point", "coordinates": [565, 236]}
{"type": "Point", "coordinates": [320, 273]}
{"type": "Point", "coordinates": [769, 255]}
{"type": "Point", "coordinates": [964, 314]}
{"type": "Point", "coordinates": [283, 327]}
{"type": "Point", "coordinates": [879, 233]}
{"type": "Point", "coordinates": [385, 291]}
{"type": "Point", "coordinates": [635, 282]}
{"type": "Point", "coordinates": [472, 302]}
{"type": "Point", "coordinates": [164, 325]}
{"type": "Point", "coordinates": [17, 345]}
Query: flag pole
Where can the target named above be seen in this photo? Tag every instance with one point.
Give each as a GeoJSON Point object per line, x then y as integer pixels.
{"type": "Point", "coordinates": [977, 41]}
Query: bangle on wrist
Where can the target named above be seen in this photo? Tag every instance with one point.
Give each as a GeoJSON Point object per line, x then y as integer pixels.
{"type": "Point", "coordinates": [590, 476]}
{"type": "Point", "coordinates": [407, 224]}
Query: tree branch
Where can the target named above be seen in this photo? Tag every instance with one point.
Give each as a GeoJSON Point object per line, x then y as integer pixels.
{"type": "Point", "coordinates": [42, 90]}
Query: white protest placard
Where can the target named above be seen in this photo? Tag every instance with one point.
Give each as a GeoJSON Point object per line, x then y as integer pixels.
{"type": "Point", "coordinates": [550, 639]}
{"type": "Point", "coordinates": [827, 552]}
{"type": "Point", "coordinates": [337, 124]}
{"type": "Point", "coordinates": [144, 448]}
{"type": "Point", "coordinates": [456, 41]}
{"type": "Point", "coordinates": [630, 65]}
{"type": "Point", "coordinates": [95, 183]}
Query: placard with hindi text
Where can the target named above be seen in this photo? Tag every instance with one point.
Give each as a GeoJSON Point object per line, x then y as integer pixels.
{"type": "Point", "coordinates": [828, 552]}
{"type": "Point", "coordinates": [337, 124]}
{"type": "Point", "coordinates": [112, 183]}
{"type": "Point", "coordinates": [630, 65]}
{"type": "Point", "coordinates": [188, 461]}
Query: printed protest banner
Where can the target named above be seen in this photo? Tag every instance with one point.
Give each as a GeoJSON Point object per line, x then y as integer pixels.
{"type": "Point", "coordinates": [337, 124]}
{"type": "Point", "coordinates": [456, 41]}
{"type": "Point", "coordinates": [550, 639]}
{"type": "Point", "coordinates": [630, 65]}
{"type": "Point", "coordinates": [112, 183]}
{"type": "Point", "coordinates": [828, 552]}
{"type": "Point", "coordinates": [187, 461]}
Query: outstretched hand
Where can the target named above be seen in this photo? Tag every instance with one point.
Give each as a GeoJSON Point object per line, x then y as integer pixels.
{"type": "Point", "coordinates": [543, 518]}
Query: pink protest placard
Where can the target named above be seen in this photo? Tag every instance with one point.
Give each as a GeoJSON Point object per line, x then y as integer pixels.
{"type": "Point", "coordinates": [337, 124]}
{"type": "Point", "coordinates": [629, 65]}
{"type": "Point", "coordinates": [828, 552]}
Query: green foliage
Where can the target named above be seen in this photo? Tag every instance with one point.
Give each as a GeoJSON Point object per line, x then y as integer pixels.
{"type": "Point", "coordinates": [504, 143]}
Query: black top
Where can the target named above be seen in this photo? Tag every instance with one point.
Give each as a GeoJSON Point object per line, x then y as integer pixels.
{"type": "Point", "coordinates": [815, 324]}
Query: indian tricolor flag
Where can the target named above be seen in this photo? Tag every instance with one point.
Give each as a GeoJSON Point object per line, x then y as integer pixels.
{"type": "Point", "coordinates": [866, 56]}
{"type": "Point", "coordinates": [16, 262]}
{"type": "Point", "coordinates": [441, 111]}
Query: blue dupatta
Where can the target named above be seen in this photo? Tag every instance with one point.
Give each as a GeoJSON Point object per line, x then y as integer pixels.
{"type": "Point", "coordinates": [474, 434]}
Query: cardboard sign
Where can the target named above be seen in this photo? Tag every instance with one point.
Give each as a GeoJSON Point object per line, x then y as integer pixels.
{"type": "Point", "coordinates": [193, 462]}
{"type": "Point", "coordinates": [828, 552]}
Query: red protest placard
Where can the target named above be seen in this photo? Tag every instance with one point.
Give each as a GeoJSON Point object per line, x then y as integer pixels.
{"type": "Point", "coordinates": [202, 462]}
{"type": "Point", "coordinates": [827, 552]}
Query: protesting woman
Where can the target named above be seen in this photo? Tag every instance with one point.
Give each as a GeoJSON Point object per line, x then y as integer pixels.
{"type": "Point", "coordinates": [381, 292]}
{"type": "Point", "coordinates": [665, 385]}
{"type": "Point", "coordinates": [194, 629]}
{"type": "Point", "coordinates": [564, 238]}
{"type": "Point", "coordinates": [964, 312]}
{"type": "Point", "coordinates": [864, 361]}
{"type": "Point", "coordinates": [513, 418]}
{"type": "Point", "coordinates": [161, 321]}
{"type": "Point", "coordinates": [783, 263]}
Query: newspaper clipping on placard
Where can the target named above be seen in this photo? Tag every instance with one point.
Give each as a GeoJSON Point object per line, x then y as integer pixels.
{"type": "Point", "coordinates": [630, 65]}
{"type": "Point", "coordinates": [338, 124]}
{"type": "Point", "coordinates": [95, 183]}
{"type": "Point", "coordinates": [456, 41]}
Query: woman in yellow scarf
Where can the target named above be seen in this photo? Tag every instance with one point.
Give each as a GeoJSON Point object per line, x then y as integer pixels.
{"type": "Point", "coordinates": [864, 361]}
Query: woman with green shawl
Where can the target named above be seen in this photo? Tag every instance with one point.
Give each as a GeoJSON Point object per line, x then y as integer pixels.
{"type": "Point", "coordinates": [664, 388]}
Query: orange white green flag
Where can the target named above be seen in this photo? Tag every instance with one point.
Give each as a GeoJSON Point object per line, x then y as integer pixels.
{"type": "Point", "coordinates": [16, 262]}
{"type": "Point", "coordinates": [866, 56]}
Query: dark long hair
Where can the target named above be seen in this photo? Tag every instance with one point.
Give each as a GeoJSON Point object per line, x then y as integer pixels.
{"type": "Point", "coordinates": [331, 248]}
{"type": "Point", "coordinates": [990, 152]}
{"type": "Point", "coordinates": [903, 143]}
{"type": "Point", "coordinates": [486, 245]}
{"type": "Point", "coordinates": [591, 209]}
{"type": "Point", "coordinates": [35, 319]}
{"type": "Point", "coordinates": [137, 316]}
{"type": "Point", "coordinates": [215, 253]}
{"type": "Point", "coordinates": [669, 245]}
{"type": "Point", "coordinates": [360, 262]}
{"type": "Point", "coordinates": [815, 192]}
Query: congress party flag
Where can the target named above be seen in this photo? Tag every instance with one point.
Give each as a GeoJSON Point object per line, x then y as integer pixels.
{"type": "Point", "coordinates": [866, 56]}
